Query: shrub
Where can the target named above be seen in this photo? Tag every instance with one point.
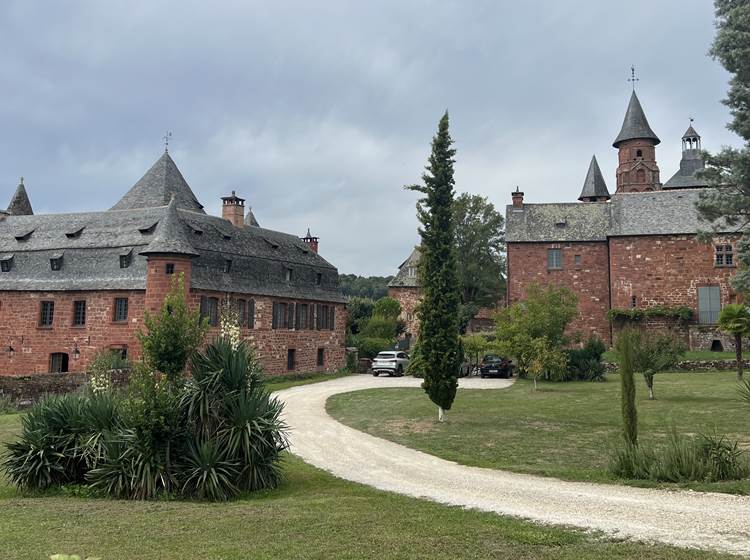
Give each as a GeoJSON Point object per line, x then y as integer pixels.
{"type": "Point", "coordinates": [7, 405]}
{"type": "Point", "coordinates": [585, 364]}
{"type": "Point", "coordinates": [369, 347]}
{"type": "Point", "coordinates": [707, 458]}
{"type": "Point", "coordinates": [62, 438]}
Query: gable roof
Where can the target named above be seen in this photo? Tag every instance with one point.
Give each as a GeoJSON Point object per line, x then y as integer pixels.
{"type": "Point", "coordinates": [403, 279]}
{"type": "Point", "coordinates": [594, 185]}
{"type": "Point", "coordinates": [668, 212]}
{"type": "Point", "coordinates": [20, 205]}
{"type": "Point", "coordinates": [635, 125]}
{"type": "Point", "coordinates": [158, 186]}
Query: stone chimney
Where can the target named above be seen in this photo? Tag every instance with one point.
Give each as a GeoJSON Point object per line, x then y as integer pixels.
{"type": "Point", "coordinates": [517, 199]}
{"type": "Point", "coordinates": [233, 210]}
{"type": "Point", "coordinates": [311, 241]}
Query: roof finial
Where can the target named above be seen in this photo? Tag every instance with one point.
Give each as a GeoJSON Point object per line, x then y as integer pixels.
{"type": "Point", "coordinates": [166, 138]}
{"type": "Point", "coordinates": [692, 120]}
{"type": "Point", "coordinates": [632, 77]}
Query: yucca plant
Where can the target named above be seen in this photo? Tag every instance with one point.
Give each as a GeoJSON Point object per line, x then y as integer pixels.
{"type": "Point", "coordinates": [208, 474]}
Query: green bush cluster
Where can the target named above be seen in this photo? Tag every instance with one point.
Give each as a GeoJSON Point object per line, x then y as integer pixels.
{"type": "Point", "coordinates": [373, 326]}
{"type": "Point", "coordinates": [707, 458]}
{"type": "Point", "coordinates": [635, 314]}
{"type": "Point", "coordinates": [209, 438]}
{"type": "Point", "coordinates": [585, 364]}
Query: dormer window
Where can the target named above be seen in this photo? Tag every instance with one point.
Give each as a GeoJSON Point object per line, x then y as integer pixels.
{"type": "Point", "coordinates": [24, 235]}
{"type": "Point", "coordinates": [6, 263]}
{"type": "Point", "coordinates": [73, 234]}
{"type": "Point", "coordinates": [288, 274]}
{"type": "Point", "coordinates": [125, 258]}
{"type": "Point", "coordinates": [272, 244]}
{"type": "Point", "coordinates": [55, 261]}
{"type": "Point", "coordinates": [561, 223]}
{"type": "Point", "coordinates": [148, 229]}
{"type": "Point", "coordinates": [227, 265]}
{"type": "Point", "coordinates": [318, 279]}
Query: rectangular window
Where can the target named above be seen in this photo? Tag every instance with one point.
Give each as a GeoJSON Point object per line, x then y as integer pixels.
{"type": "Point", "coordinates": [291, 359]}
{"type": "Point", "coordinates": [227, 265]}
{"type": "Point", "coordinates": [291, 316]}
{"type": "Point", "coordinates": [169, 268]}
{"type": "Point", "coordinates": [46, 313]}
{"type": "Point", "coordinates": [321, 357]}
{"type": "Point", "coordinates": [58, 362]}
{"type": "Point", "coordinates": [332, 315]}
{"type": "Point", "coordinates": [302, 319]}
{"type": "Point", "coordinates": [554, 259]}
{"type": "Point", "coordinates": [288, 274]}
{"type": "Point", "coordinates": [578, 260]}
{"type": "Point", "coordinates": [55, 263]}
{"type": "Point", "coordinates": [121, 309]}
{"type": "Point", "coordinates": [709, 304]}
{"type": "Point", "coordinates": [242, 312]}
{"type": "Point", "coordinates": [5, 264]}
{"type": "Point", "coordinates": [318, 279]}
{"type": "Point", "coordinates": [121, 351]}
{"type": "Point", "coordinates": [724, 255]}
{"type": "Point", "coordinates": [280, 316]}
{"type": "Point", "coordinates": [633, 301]}
{"type": "Point", "coordinates": [79, 313]}
{"type": "Point", "coordinates": [210, 310]}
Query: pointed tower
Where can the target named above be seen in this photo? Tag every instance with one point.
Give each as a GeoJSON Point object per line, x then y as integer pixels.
{"type": "Point", "coordinates": [158, 186]}
{"type": "Point", "coordinates": [637, 170]}
{"type": "Point", "coordinates": [20, 204]}
{"type": "Point", "coordinates": [594, 187]}
{"type": "Point", "coordinates": [169, 253]}
{"type": "Point", "coordinates": [690, 164]}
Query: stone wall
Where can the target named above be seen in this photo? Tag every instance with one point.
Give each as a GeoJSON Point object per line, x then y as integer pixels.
{"type": "Point", "coordinates": [584, 271]}
{"type": "Point", "coordinates": [697, 365]}
{"type": "Point", "coordinates": [24, 389]}
{"type": "Point", "coordinates": [409, 298]}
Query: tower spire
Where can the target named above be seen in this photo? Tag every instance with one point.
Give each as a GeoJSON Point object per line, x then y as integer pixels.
{"type": "Point", "coordinates": [632, 79]}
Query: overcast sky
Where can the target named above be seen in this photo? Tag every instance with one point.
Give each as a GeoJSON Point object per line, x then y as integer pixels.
{"type": "Point", "coordinates": [319, 112]}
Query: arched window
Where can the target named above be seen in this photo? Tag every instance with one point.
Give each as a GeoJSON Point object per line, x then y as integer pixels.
{"type": "Point", "coordinates": [639, 153]}
{"type": "Point", "coordinates": [640, 176]}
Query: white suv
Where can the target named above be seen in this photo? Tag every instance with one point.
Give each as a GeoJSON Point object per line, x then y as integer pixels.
{"type": "Point", "coordinates": [392, 363]}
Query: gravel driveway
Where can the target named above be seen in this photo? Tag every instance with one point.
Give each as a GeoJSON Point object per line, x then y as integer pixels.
{"type": "Point", "coordinates": [689, 519]}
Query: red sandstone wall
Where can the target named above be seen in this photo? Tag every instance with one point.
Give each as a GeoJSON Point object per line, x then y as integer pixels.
{"type": "Point", "coordinates": [32, 344]}
{"type": "Point", "coordinates": [409, 299]}
{"type": "Point", "coordinates": [527, 263]}
{"type": "Point", "coordinates": [665, 270]}
{"type": "Point", "coordinates": [272, 344]}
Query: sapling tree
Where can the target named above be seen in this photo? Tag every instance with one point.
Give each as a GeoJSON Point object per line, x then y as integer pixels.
{"type": "Point", "coordinates": [653, 353]}
{"type": "Point", "coordinates": [734, 319]}
{"type": "Point", "coordinates": [438, 313]}
{"type": "Point", "coordinates": [624, 349]}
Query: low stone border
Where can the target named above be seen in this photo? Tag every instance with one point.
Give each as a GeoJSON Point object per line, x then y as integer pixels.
{"type": "Point", "coordinates": [25, 389]}
{"type": "Point", "coordinates": [698, 365]}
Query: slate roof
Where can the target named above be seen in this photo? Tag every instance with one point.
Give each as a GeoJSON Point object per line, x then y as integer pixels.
{"type": "Point", "coordinates": [690, 164]}
{"type": "Point", "coordinates": [250, 218]}
{"type": "Point", "coordinates": [403, 279]}
{"type": "Point", "coordinates": [92, 243]}
{"type": "Point", "coordinates": [652, 213]}
{"type": "Point", "coordinates": [635, 125]}
{"type": "Point", "coordinates": [20, 205]}
{"type": "Point", "coordinates": [594, 185]}
{"type": "Point", "coordinates": [157, 187]}
{"type": "Point", "coordinates": [690, 133]}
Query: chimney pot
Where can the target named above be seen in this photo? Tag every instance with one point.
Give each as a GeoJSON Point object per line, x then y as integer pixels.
{"type": "Point", "coordinates": [517, 198]}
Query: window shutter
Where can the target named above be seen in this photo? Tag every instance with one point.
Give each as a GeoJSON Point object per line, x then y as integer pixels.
{"type": "Point", "coordinates": [275, 319]}
{"type": "Point", "coordinates": [318, 316]}
{"type": "Point", "coordinates": [297, 318]}
{"type": "Point", "coordinates": [203, 306]}
{"type": "Point", "coordinates": [333, 315]}
{"type": "Point", "coordinates": [251, 314]}
{"type": "Point", "coordinates": [290, 316]}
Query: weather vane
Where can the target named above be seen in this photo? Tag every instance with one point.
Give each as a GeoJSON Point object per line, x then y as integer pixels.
{"type": "Point", "coordinates": [166, 138]}
{"type": "Point", "coordinates": [632, 77]}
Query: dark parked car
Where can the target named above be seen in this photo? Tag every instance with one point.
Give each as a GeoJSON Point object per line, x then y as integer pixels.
{"type": "Point", "coordinates": [495, 366]}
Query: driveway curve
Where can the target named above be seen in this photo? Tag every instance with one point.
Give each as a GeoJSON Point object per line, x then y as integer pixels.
{"type": "Point", "coordinates": [682, 518]}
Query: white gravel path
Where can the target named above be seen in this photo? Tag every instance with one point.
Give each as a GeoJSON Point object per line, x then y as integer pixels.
{"type": "Point", "coordinates": [688, 519]}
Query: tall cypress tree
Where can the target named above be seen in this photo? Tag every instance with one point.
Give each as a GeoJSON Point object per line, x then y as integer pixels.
{"type": "Point", "coordinates": [730, 168]}
{"type": "Point", "coordinates": [438, 312]}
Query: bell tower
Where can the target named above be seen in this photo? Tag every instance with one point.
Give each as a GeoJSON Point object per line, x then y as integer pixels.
{"type": "Point", "coordinates": [636, 143]}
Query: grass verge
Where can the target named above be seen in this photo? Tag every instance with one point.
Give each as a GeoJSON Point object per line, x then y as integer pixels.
{"type": "Point", "coordinates": [565, 430]}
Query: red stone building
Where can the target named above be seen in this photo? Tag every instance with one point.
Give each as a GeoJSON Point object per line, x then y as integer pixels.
{"type": "Point", "coordinates": [74, 284]}
{"type": "Point", "coordinates": [637, 248]}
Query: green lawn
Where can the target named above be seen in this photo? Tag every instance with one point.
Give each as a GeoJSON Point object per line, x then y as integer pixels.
{"type": "Point", "coordinates": [564, 430]}
{"type": "Point", "coordinates": [702, 355]}
{"type": "Point", "coordinates": [312, 516]}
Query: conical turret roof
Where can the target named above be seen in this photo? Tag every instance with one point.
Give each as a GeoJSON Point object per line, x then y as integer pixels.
{"type": "Point", "coordinates": [690, 133]}
{"type": "Point", "coordinates": [158, 186]}
{"type": "Point", "coordinates": [635, 125]}
{"type": "Point", "coordinates": [594, 185]}
{"type": "Point", "coordinates": [20, 205]}
{"type": "Point", "coordinates": [170, 237]}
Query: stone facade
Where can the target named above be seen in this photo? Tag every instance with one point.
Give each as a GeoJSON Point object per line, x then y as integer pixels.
{"type": "Point", "coordinates": [409, 298]}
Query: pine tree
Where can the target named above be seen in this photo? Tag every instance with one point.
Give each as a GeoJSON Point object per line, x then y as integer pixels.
{"type": "Point", "coordinates": [438, 313]}
{"type": "Point", "coordinates": [730, 168]}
